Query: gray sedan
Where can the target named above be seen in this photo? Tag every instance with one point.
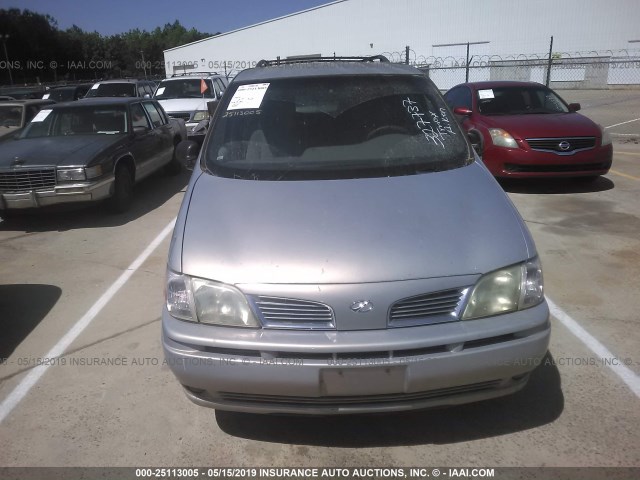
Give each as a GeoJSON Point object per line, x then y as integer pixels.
{"type": "Point", "coordinates": [86, 151]}
{"type": "Point", "coordinates": [341, 249]}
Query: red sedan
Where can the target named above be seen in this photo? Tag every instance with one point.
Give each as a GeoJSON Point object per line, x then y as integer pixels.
{"type": "Point", "coordinates": [524, 129]}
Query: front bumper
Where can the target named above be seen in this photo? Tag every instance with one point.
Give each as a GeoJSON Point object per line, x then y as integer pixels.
{"type": "Point", "coordinates": [526, 163]}
{"type": "Point", "coordinates": [60, 194]}
{"type": "Point", "coordinates": [340, 372]}
{"type": "Point", "coordinates": [195, 136]}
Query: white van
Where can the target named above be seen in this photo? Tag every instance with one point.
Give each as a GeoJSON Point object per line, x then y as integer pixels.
{"type": "Point", "coordinates": [186, 96]}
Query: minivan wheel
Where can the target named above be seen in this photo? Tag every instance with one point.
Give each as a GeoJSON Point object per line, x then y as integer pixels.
{"type": "Point", "coordinates": [122, 190]}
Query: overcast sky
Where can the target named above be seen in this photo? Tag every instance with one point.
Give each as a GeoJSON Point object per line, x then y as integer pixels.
{"type": "Point", "coordinates": [116, 16]}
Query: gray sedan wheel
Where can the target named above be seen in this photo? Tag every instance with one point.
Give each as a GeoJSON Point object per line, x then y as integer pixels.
{"type": "Point", "coordinates": [174, 167]}
{"type": "Point", "coordinates": [122, 190]}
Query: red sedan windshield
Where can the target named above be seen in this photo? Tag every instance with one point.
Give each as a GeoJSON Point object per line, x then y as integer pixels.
{"type": "Point", "coordinates": [519, 101]}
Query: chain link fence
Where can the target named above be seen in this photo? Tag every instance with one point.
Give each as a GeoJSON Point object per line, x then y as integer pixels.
{"type": "Point", "coordinates": [580, 70]}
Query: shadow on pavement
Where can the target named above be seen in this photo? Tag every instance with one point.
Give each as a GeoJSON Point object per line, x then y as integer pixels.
{"type": "Point", "coordinates": [149, 195]}
{"type": "Point", "coordinates": [539, 403]}
{"type": "Point", "coordinates": [22, 308]}
{"type": "Point", "coordinates": [556, 185]}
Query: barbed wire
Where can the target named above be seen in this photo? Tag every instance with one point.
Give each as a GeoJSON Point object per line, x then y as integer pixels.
{"type": "Point", "coordinates": [450, 61]}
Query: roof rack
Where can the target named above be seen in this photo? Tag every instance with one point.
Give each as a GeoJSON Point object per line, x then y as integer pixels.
{"type": "Point", "coordinates": [290, 61]}
{"type": "Point", "coordinates": [189, 74]}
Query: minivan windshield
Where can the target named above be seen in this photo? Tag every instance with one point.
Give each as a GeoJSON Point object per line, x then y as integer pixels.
{"type": "Point", "coordinates": [333, 128]}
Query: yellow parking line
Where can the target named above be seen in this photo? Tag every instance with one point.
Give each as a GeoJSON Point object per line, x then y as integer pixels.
{"type": "Point", "coordinates": [624, 175]}
{"type": "Point", "coordinates": [634, 154]}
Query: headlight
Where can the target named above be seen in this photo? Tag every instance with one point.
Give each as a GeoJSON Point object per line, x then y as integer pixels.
{"type": "Point", "coordinates": [606, 138]}
{"type": "Point", "coordinates": [506, 290]}
{"type": "Point", "coordinates": [71, 174]}
{"type": "Point", "coordinates": [200, 115]}
{"type": "Point", "coordinates": [500, 138]}
{"type": "Point", "coordinates": [204, 301]}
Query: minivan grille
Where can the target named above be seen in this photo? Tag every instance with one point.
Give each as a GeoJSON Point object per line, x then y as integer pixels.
{"type": "Point", "coordinates": [553, 144]}
{"type": "Point", "coordinates": [436, 307]}
{"type": "Point", "coordinates": [25, 179]}
{"type": "Point", "coordinates": [295, 314]}
{"type": "Point", "coordinates": [339, 401]}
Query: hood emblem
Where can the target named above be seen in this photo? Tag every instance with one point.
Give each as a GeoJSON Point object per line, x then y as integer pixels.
{"type": "Point", "coordinates": [17, 161]}
{"type": "Point", "coordinates": [362, 306]}
{"type": "Point", "coordinates": [564, 146]}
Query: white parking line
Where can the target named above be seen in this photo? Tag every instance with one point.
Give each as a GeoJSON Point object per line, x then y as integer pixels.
{"type": "Point", "coordinates": [622, 123]}
{"type": "Point", "coordinates": [625, 373]}
{"type": "Point", "coordinates": [21, 390]}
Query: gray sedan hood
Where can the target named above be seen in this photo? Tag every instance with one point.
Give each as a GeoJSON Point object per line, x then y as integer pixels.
{"type": "Point", "coordinates": [56, 151]}
{"type": "Point", "coordinates": [440, 224]}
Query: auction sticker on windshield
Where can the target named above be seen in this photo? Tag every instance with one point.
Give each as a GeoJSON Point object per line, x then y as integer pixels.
{"type": "Point", "coordinates": [248, 96]}
{"type": "Point", "coordinates": [42, 114]}
{"type": "Point", "coordinates": [160, 91]}
{"type": "Point", "coordinates": [482, 94]}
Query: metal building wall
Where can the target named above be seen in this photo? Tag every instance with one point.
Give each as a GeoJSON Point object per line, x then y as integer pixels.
{"type": "Point", "coordinates": [367, 27]}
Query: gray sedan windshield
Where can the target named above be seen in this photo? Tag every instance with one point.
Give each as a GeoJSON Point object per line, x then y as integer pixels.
{"type": "Point", "coordinates": [334, 127]}
{"type": "Point", "coordinates": [105, 120]}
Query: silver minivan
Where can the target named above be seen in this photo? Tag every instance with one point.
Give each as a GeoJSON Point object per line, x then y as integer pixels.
{"type": "Point", "coordinates": [340, 249]}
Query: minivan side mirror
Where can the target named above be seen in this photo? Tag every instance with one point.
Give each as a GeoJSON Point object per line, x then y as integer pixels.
{"type": "Point", "coordinates": [187, 153]}
{"type": "Point", "coordinates": [574, 107]}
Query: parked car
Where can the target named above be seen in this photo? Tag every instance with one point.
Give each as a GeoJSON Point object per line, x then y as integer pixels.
{"type": "Point", "coordinates": [524, 129]}
{"type": "Point", "coordinates": [68, 93]}
{"type": "Point", "coordinates": [186, 96]}
{"type": "Point", "coordinates": [23, 93]}
{"type": "Point", "coordinates": [87, 151]}
{"type": "Point", "coordinates": [340, 249]}
{"type": "Point", "coordinates": [124, 87]}
{"type": "Point", "coordinates": [15, 114]}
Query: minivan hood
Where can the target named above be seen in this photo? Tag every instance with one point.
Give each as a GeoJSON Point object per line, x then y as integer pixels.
{"type": "Point", "coordinates": [550, 125]}
{"type": "Point", "coordinates": [440, 224]}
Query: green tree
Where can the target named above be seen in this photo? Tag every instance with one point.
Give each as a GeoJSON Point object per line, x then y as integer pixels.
{"type": "Point", "coordinates": [40, 52]}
